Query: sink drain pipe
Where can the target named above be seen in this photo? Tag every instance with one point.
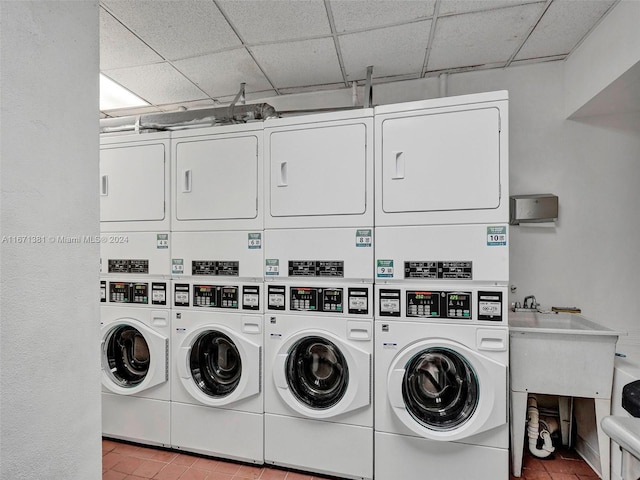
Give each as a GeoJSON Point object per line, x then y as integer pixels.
{"type": "Point", "coordinates": [539, 428]}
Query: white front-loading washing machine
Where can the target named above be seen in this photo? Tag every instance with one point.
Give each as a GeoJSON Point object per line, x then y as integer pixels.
{"type": "Point", "coordinates": [318, 377]}
{"type": "Point", "coordinates": [135, 357]}
{"type": "Point", "coordinates": [441, 382]}
{"type": "Point", "coordinates": [217, 395]}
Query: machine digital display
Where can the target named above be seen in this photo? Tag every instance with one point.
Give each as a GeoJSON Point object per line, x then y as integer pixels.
{"type": "Point", "coordinates": [423, 304]}
{"type": "Point", "coordinates": [459, 305]}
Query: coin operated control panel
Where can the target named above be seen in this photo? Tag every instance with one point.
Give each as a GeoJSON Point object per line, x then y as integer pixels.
{"type": "Point", "coordinates": [448, 305]}
{"type": "Point", "coordinates": [225, 297]}
{"type": "Point", "coordinates": [338, 300]}
{"type": "Point", "coordinates": [137, 293]}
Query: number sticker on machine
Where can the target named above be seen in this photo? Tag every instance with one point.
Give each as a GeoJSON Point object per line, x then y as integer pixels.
{"type": "Point", "coordinates": [496, 236]}
{"type": "Point", "coordinates": [384, 268]}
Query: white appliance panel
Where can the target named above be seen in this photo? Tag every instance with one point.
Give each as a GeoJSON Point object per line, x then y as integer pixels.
{"type": "Point", "coordinates": [477, 244]}
{"type": "Point", "coordinates": [443, 161]}
{"type": "Point", "coordinates": [194, 428]}
{"type": "Point", "coordinates": [134, 183]}
{"type": "Point", "coordinates": [320, 170]}
{"type": "Point", "coordinates": [152, 247]}
{"type": "Point", "coordinates": [142, 420]}
{"type": "Point", "coordinates": [328, 448]}
{"type": "Point", "coordinates": [237, 246]}
{"type": "Point", "coordinates": [217, 179]}
{"type": "Point", "coordinates": [320, 244]}
{"type": "Point", "coordinates": [399, 456]}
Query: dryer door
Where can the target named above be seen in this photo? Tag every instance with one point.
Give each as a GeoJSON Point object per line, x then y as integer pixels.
{"type": "Point", "coordinates": [134, 357]}
{"type": "Point", "coordinates": [320, 376]}
{"type": "Point", "coordinates": [445, 391]}
{"type": "Point", "coordinates": [218, 367]}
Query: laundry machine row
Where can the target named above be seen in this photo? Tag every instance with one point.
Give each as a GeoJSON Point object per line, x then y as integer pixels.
{"type": "Point", "coordinates": [312, 237]}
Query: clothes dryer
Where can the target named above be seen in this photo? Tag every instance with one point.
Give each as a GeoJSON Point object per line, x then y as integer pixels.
{"type": "Point", "coordinates": [218, 178]}
{"type": "Point", "coordinates": [217, 394]}
{"type": "Point", "coordinates": [442, 161]}
{"type": "Point", "coordinates": [135, 357]}
{"type": "Point", "coordinates": [319, 170]}
{"type": "Point", "coordinates": [134, 183]}
{"type": "Point", "coordinates": [441, 373]}
{"type": "Point", "coordinates": [318, 377]}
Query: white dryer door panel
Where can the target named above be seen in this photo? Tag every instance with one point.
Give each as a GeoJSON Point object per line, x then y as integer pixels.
{"type": "Point", "coordinates": [132, 183]}
{"type": "Point", "coordinates": [217, 179]}
{"type": "Point", "coordinates": [320, 174]}
{"type": "Point", "coordinates": [443, 161]}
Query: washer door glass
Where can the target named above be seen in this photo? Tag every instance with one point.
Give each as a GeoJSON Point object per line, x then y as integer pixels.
{"type": "Point", "coordinates": [127, 354]}
{"type": "Point", "coordinates": [317, 372]}
{"type": "Point", "coordinates": [440, 389]}
{"type": "Point", "coordinates": [215, 363]}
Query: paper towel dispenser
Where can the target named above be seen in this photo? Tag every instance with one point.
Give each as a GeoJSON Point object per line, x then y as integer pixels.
{"type": "Point", "coordinates": [537, 208]}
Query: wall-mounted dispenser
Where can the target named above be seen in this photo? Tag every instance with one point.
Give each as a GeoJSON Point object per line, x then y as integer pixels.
{"type": "Point", "coordinates": [541, 208]}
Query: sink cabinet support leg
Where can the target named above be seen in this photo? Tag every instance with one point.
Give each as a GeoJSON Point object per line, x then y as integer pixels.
{"type": "Point", "coordinates": [603, 409]}
{"type": "Point", "coordinates": [566, 412]}
{"type": "Point", "coordinates": [518, 421]}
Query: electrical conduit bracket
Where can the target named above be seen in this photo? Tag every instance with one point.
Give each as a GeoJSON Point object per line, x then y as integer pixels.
{"type": "Point", "coordinates": [368, 97]}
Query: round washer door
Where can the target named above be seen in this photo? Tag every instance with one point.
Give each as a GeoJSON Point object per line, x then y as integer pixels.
{"type": "Point", "coordinates": [442, 390]}
{"type": "Point", "coordinates": [134, 357]}
{"type": "Point", "coordinates": [320, 376]}
{"type": "Point", "coordinates": [217, 366]}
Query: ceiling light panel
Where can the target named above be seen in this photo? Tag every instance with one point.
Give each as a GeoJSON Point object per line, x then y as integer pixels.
{"type": "Point", "coordinates": [277, 20]}
{"type": "Point", "coordinates": [352, 15]}
{"type": "Point", "coordinates": [392, 51]}
{"type": "Point", "coordinates": [475, 39]}
{"type": "Point", "coordinates": [562, 27]}
{"type": "Point", "coordinates": [159, 83]}
{"type": "Point", "coordinates": [176, 29]}
{"type": "Point", "coordinates": [304, 63]}
{"type": "Point", "coordinates": [114, 96]}
{"type": "Point", "coordinates": [222, 73]}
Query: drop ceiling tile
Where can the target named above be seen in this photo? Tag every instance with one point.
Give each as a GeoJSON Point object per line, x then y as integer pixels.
{"type": "Point", "coordinates": [352, 15]}
{"type": "Point", "coordinates": [392, 51]}
{"type": "Point", "coordinates": [276, 20]}
{"type": "Point", "coordinates": [158, 84]}
{"type": "Point", "coordinates": [221, 74]}
{"type": "Point", "coordinates": [178, 28]}
{"type": "Point", "coordinates": [119, 47]}
{"type": "Point", "coordinates": [481, 38]}
{"type": "Point", "coordinates": [304, 63]}
{"type": "Point", "coordinates": [562, 27]}
{"type": "Point", "coordinates": [448, 7]}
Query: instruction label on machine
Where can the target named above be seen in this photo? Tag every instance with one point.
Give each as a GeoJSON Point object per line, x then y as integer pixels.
{"type": "Point", "coordinates": [255, 241]}
{"type": "Point", "coordinates": [364, 238]}
{"type": "Point", "coordinates": [272, 266]}
{"type": "Point", "coordinates": [496, 236]}
{"type": "Point", "coordinates": [384, 268]}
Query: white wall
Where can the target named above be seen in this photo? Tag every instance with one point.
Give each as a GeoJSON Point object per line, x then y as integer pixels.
{"type": "Point", "coordinates": [591, 258]}
{"type": "Point", "coordinates": [49, 328]}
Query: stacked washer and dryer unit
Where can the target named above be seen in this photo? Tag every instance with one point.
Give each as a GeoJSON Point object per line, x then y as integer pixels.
{"type": "Point", "coordinates": [217, 298]}
{"type": "Point", "coordinates": [319, 281]}
{"type": "Point", "coordinates": [134, 287]}
{"type": "Point", "coordinates": [442, 269]}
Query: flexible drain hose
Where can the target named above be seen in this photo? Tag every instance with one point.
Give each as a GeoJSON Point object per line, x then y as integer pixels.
{"type": "Point", "coordinates": [534, 431]}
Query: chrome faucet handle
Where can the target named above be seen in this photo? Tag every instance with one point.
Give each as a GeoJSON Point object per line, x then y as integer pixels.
{"type": "Point", "coordinates": [533, 305]}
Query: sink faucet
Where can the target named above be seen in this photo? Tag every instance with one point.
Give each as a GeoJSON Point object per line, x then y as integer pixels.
{"type": "Point", "coordinates": [531, 306]}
